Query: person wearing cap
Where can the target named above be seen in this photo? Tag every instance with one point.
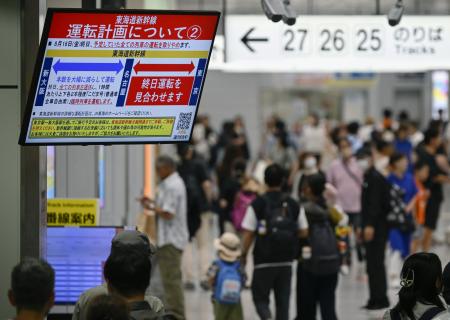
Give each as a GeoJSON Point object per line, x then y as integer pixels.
{"type": "Point", "coordinates": [226, 277]}
{"type": "Point", "coordinates": [170, 208]}
{"type": "Point", "coordinates": [126, 247]}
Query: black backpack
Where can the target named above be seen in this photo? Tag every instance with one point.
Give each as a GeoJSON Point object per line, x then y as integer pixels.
{"type": "Point", "coordinates": [325, 258]}
{"type": "Point", "coordinates": [279, 242]}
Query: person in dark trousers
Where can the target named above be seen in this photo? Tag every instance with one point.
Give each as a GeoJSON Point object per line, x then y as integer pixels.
{"type": "Point", "coordinates": [276, 221]}
{"type": "Point", "coordinates": [229, 185]}
{"type": "Point", "coordinates": [321, 268]}
{"type": "Point", "coordinates": [421, 284]}
{"type": "Point", "coordinates": [375, 206]}
{"type": "Point", "coordinates": [194, 172]}
{"type": "Point", "coordinates": [32, 290]}
{"type": "Point", "coordinates": [427, 153]}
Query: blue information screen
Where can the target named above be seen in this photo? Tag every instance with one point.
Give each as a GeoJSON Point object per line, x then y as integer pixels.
{"type": "Point", "coordinates": [78, 256]}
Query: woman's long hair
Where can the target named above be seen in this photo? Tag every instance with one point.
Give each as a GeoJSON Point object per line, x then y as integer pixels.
{"type": "Point", "coordinates": [421, 281]}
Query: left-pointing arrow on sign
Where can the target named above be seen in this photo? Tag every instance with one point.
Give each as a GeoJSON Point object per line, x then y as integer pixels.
{"type": "Point", "coordinates": [87, 66]}
{"type": "Point", "coordinates": [245, 39]}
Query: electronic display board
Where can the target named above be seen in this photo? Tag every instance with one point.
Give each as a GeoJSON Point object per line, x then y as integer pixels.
{"type": "Point", "coordinates": [118, 76]}
{"type": "Point", "coordinates": [78, 255]}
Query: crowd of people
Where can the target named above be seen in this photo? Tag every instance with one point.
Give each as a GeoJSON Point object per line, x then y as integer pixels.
{"type": "Point", "coordinates": [329, 196]}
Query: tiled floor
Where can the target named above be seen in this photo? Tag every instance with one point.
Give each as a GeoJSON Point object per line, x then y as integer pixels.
{"type": "Point", "coordinates": [351, 295]}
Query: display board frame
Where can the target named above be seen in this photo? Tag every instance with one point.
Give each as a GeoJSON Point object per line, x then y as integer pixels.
{"type": "Point", "coordinates": [118, 229]}
{"type": "Point", "coordinates": [40, 61]}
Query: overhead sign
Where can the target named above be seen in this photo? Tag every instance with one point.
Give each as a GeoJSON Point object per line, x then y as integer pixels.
{"type": "Point", "coordinates": [118, 77]}
{"type": "Point", "coordinates": [337, 44]}
{"type": "Point", "coordinates": [73, 212]}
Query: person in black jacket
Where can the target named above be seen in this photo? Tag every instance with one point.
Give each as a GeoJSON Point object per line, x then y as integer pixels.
{"type": "Point", "coordinates": [321, 269]}
{"type": "Point", "coordinates": [429, 153]}
{"type": "Point", "coordinates": [375, 206]}
{"type": "Point", "coordinates": [193, 170]}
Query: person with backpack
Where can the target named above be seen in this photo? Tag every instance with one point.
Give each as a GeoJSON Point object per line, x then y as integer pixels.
{"type": "Point", "coordinates": [421, 284]}
{"type": "Point", "coordinates": [404, 186]}
{"type": "Point", "coordinates": [227, 278]}
{"type": "Point", "coordinates": [229, 177]}
{"type": "Point", "coordinates": [193, 171]}
{"type": "Point", "coordinates": [320, 258]}
{"type": "Point", "coordinates": [276, 222]}
{"type": "Point", "coordinates": [347, 177]}
{"type": "Point", "coordinates": [249, 190]}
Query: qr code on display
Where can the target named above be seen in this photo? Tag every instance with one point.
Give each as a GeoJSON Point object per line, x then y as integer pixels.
{"type": "Point", "coordinates": [184, 121]}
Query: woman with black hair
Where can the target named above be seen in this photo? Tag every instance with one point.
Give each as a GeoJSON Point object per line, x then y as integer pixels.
{"type": "Point", "coordinates": [421, 285]}
{"type": "Point", "coordinates": [283, 153]}
{"type": "Point", "coordinates": [318, 267]}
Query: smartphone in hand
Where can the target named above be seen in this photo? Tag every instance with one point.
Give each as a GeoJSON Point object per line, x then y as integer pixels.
{"type": "Point", "coordinates": [147, 203]}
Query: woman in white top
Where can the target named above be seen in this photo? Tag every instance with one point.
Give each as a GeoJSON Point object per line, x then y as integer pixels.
{"type": "Point", "coordinates": [421, 285]}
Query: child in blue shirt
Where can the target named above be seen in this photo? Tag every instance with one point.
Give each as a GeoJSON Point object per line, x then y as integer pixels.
{"type": "Point", "coordinates": [227, 278]}
{"type": "Point", "coordinates": [399, 240]}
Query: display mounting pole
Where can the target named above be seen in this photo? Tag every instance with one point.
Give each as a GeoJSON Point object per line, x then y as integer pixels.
{"type": "Point", "coordinates": [33, 173]}
{"type": "Point", "coordinates": [89, 4]}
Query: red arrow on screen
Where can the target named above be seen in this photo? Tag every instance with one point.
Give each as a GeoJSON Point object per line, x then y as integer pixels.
{"type": "Point", "coordinates": [142, 67]}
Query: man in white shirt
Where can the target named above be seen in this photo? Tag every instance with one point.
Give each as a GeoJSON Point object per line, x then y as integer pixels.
{"type": "Point", "coordinates": [276, 221]}
{"type": "Point", "coordinates": [170, 208]}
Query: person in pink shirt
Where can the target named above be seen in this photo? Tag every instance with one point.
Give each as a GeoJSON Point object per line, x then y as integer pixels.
{"type": "Point", "coordinates": [346, 176]}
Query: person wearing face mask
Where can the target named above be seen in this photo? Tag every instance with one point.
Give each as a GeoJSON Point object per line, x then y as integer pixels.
{"type": "Point", "coordinates": [374, 208]}
{"type": "Point", "coordinates": [347, 177]}
{"type": "Point", "coordinates": [307, 165]}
